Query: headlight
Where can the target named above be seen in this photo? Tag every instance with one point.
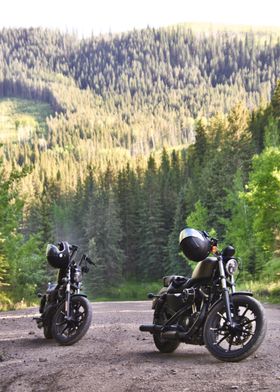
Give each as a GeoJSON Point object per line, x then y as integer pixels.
{"type": "Point", "coordinates": [77, 276]}
{"type": "Point", "coordinates": [231, 266]}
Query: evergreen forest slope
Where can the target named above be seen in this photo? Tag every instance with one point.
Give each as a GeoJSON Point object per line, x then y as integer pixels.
{"type": "Point", "coordinates": [112, 142]}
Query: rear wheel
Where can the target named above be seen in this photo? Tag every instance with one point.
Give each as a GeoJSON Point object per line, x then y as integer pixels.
{"type": "Point", "coordinates": [238, 342]}
{"type": "Point", "coordinates": [48, 331]}
{"type": "Point", "coordinates": [69, 331]}
{"type": "Point", "coordinates": [161, 315]}
{"type": "Point", "coordinates": [48, 312]}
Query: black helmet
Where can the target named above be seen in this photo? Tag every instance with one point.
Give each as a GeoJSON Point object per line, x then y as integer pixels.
{"type": "Point", "coordinates": [58, 257]}
{"type": "Point", "coordinates": [195, 244]}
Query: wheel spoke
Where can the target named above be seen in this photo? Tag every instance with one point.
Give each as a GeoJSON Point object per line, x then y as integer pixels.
{"type": "Point", "coordinates": [61, 323]}
{"type": "Point", "coordinates": [80, 314]}
{"type": "Point", "coordinates": [221, 340]}
{"type": "Point", "coordinates": [71, 330]}
{"type": "Point", "coordinates": [219, 329]}
{"type": "Point", "coordinates": [245, 311]}
{"type": "Point", "coordinates": [247, 333]}
{"type": "Point", "coordinates": [222, 316]}
{"type": "Point", "coordinates": [248, 322]}
{"type": "Point", "coordinates": [62, 332]}
{"type": "Point", "coordinates": [230, 343]}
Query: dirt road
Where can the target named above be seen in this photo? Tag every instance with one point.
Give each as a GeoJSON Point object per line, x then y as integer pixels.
{"type": "Point", "coordinates": [115, 356]}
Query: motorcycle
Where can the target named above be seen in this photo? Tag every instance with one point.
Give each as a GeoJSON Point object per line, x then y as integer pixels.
{"type": "Point", "coordinates": [206, 309]}
{"type": "Point", "coordinates": [66, 314]}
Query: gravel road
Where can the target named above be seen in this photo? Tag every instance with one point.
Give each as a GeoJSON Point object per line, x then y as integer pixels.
{"type": "Point", "coordinates": [115, 356]}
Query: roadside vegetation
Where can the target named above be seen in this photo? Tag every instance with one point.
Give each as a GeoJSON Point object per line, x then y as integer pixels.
{"type": "Point", "coordinates": [117, 143]}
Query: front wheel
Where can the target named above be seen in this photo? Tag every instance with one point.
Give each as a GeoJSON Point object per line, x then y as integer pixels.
{"type": "Point", "coordinates": [69, 331]}
{"type": "Point", "coordinates": [235, 343]}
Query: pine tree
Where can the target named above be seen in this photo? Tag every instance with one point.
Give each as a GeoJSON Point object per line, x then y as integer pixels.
{"type": "Point", "coordinates": [152, 231]}
{"type": "Point", "coordinates": [105, 233]}
{"type": "Point", "coordinates": [128, 196]}
{"type": "Point", "coordinates": [275, 102]}
{"type": "Point", "coordinates": [176, 262]}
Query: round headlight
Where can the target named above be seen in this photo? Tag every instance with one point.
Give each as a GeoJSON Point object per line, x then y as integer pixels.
{"type": "Point", "coordinates": [231, 266]}
{"type": "Point", "coordinates": [77, 276]}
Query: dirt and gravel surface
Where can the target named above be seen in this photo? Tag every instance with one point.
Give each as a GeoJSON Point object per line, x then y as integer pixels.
{"type": "Point", "coordinates": [115, 356]}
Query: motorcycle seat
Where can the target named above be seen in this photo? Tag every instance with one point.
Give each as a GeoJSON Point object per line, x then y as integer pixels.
{"type": "Point", "coordinates": [167, 280]}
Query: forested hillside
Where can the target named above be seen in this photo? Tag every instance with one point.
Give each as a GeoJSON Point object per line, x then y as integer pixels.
{"type": "Point", "coordinates": [127, 139]}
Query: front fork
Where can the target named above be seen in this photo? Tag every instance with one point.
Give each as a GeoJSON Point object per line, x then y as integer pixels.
{"type": "Point", "coordinates": [226, 296]}
{"type": "Point", "coordinates": [68, 295]}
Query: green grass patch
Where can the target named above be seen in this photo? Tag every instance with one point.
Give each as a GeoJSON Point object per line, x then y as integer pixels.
{"type": "Point", "coordinates": [267, 287]}
{"type": "Point", "coordinates": [20, 118]}
{"type": "Point", "coordinates": [137, 291]}
{"type": "Point", "coordinates": [128, 291]}
{"type": "Point", "coordinates": [264, 291]}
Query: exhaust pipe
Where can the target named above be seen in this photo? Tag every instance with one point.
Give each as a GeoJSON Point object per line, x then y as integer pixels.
{"type": "Point", "coordinates": [152, 328]}
{"type": "Point", "coordinates": [168, 335]}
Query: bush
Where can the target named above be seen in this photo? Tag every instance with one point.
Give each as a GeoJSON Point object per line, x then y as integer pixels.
{"type": "Point", "coordinates": [5, 302]}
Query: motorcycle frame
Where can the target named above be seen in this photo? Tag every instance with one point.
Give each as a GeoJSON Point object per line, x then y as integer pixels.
{"type": "Point", "coordinates": [63, 291]}
{"type": "Point", "coordinates": [68, 294]}
{"type": "Point", "coordinates": [206, 305]}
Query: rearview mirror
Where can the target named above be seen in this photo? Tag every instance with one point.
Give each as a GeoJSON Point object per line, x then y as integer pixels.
{"type": "Point", "coordinates": [228, 251]}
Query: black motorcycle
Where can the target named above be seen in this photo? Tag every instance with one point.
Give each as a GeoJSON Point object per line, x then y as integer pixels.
{"type": "Point", "coordinates": [206, 309]}
{"type": "Point", "coordinates": [66, 314]}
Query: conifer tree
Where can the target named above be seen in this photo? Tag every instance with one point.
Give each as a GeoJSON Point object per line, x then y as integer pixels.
{"type": "Point", "coordinates": [176, 262]}
{"type": "Point", "coordinates": [153, 234]}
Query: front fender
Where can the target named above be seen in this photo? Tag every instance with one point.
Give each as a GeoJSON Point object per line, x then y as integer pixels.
{"type": "Point", "coordinates": [79, 295]}
{"type": "Point", "coordinates": [249, 293]}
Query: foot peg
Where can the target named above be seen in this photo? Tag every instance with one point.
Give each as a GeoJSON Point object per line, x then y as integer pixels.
{"type": "Point", "coordinates": [39, 321]}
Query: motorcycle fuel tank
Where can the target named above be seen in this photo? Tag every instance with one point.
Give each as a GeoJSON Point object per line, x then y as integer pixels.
{"type": "Point", "coordinates": [204, 268]}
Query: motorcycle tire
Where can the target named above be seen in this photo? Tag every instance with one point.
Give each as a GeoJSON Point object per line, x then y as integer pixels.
{"type": "Point", "coordinates": [235, 344]}
{"type": "Point", "coordinates": [67, 332]}
{"type": "Point", "coordinates": [47, 316]}
{"type": "Point", "coordinates": [48, 331]}
{"type": "Point", "coordinates": [161, 315]}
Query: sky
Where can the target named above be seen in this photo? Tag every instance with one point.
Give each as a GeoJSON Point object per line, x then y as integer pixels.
{"type": "Point", "coordinates": [86, 17]}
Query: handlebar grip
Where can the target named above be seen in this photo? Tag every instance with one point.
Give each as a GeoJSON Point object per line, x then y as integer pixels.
{"type": "Point", "coordinates": [89, 260]}
{"type": "Point", "coordinates": [73, 247]}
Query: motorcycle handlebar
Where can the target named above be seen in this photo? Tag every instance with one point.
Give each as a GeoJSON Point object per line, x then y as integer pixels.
{"type": "Point", "coordinates": [73, 249]}
{"type": "Point", "coordinates": [89, 260]}
{"type": "Point", "coordinates": [214, 241]}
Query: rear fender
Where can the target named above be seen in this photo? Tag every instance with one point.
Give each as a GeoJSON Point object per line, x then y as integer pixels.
{"type": "Point", "coordinates": [163, 290]}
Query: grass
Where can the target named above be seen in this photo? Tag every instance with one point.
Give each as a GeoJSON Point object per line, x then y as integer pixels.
{"type": "Point", "coordinates": [268, 292]}
{"type": "Point", "coordinates": [128, 291]}
{"type": "Point", "coordinates": [264, 291]}
{"type": "Point", "coordinates": [20, 118]}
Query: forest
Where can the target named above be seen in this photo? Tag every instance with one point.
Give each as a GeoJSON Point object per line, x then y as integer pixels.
{"type": "Point", "coordinates": [116, 143]}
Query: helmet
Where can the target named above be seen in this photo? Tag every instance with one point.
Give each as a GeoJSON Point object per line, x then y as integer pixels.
{"type": "Point", "coordinates": [58, 257]}
{"type": "Point", "coordinates": [195, 244]}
